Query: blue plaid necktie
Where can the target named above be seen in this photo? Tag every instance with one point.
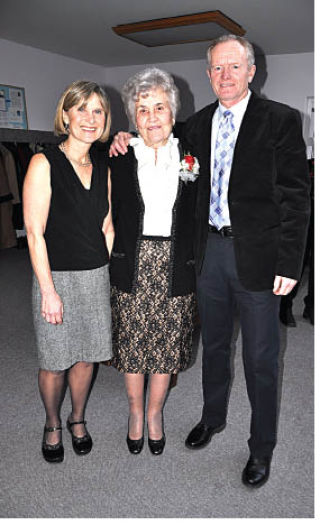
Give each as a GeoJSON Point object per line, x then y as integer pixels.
{"type": "Point", "coordinates": [223, 154]}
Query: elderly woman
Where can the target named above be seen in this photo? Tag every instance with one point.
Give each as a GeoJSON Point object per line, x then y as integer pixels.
{"type": "Point", "coordinates": [70, 234]}
{"type": "Point", "coordinates": [152, 270]}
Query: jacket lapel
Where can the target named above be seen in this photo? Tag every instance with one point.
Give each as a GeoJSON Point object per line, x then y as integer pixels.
{"type": "Point", "coordinates": [251, 122]}
{"type": "Point", "coordinates": [248, 125]}
{"type": "Point", "coordinates": [136, 182]}
{"type": "Point", "coordinates": [204, 146]}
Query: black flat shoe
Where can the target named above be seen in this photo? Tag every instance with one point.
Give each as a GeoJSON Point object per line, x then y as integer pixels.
{"type": "Point", "coordinates": [52, 453]}
{"type": "Point", "coordinates": [157, 445]}
{"type": "Point", "coordinates": [256, 472]}
{"type": "Point", "coordinates": [81, 445]}
{"type": "Point", "coordinates": [135, 445]}
{"type": "Point", "coordinates": [201, 435]}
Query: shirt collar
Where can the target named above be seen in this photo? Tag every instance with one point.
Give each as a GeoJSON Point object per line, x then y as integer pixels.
{"type": "Point", "coordinates": [238, 109]}
{"type": "Point", "coordinates": [167, 155]}
{"type": "Point", "coordinates": [138, 141]}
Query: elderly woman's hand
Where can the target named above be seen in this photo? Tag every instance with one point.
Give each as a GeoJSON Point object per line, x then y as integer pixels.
{"type": "Point", "coordinates": [52, 307]}
{"type": "Point", "coordinates": [120, 144]}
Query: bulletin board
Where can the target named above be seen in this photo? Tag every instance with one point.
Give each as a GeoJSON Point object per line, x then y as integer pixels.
{"type": "Point", "coordinates": [13, 109]}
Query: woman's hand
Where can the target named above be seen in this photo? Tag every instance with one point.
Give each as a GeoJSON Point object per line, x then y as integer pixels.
{"type": "Point", "coordinates": [52, 307]}
{"type": "Point", "coordinates": [120, 144]}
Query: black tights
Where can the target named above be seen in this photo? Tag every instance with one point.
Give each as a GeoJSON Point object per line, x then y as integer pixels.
{"type": "Point", "coordinates": [52, 386]}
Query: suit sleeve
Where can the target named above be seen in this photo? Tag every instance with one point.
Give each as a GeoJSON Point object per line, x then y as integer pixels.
{"type": "Point", "coordinates": [293, 193]}
{"type": "Point", "coordinates": [184, 131]}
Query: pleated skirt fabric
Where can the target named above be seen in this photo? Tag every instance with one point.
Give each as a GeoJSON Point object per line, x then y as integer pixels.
{"type": "Point", "coordinates": [85, 334]}
{"type": "Point", "coordinates": [152, 333]}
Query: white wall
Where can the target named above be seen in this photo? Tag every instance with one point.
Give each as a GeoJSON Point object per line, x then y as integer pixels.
{"type": "Point", "coordinates": [290, 79]}
{"type": "Point", "coordinates": [286, 78]}
{"type": "Point", "coordinates": [44, 77]}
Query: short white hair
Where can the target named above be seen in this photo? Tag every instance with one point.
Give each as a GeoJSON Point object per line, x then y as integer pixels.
{"type": "Point", "coordinates": [147, 80]}
{"type": "Point", "coordinates": [242, 41]}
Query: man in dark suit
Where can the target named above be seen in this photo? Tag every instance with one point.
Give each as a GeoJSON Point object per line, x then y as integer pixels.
{"type": "Point", "coordinates": [249, 241]}
{"type": "Point", "coordinates": [251, 221]}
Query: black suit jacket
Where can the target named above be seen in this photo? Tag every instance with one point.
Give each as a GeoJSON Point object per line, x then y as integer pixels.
{"type": "Point", "coordinates": [128, 213]}
{"type": "Point", "coordinates": [268, 191]}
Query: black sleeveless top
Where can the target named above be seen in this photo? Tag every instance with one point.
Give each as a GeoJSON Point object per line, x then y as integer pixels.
{"type": "Point", "coordinates": [73, 234]}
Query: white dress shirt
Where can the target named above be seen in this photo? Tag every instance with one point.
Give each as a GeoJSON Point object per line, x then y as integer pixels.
{"type": "Point", "coordinates": [158, 183]}
{"type": "Point", "coordinates": [238, 111]}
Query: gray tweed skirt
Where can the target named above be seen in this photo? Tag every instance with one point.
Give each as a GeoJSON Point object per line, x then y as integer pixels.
{"type": "Point", "coordinates": [85, 334]}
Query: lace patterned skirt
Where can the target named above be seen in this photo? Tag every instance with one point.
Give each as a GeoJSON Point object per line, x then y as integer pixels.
{"type": "Point", "coordinates": [152, 333]}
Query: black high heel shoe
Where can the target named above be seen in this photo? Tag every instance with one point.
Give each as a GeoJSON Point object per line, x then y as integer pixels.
{"type": "Point", "coordinates": [81, 445]}
{"type": "Point", "coordinates": [135, 445]}
{"type": "Point", "coordinates": [156, 446]}
{"type": "Point", "coordinates": [52, 453]}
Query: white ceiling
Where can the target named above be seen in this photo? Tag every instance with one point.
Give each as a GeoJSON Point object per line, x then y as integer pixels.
{"type": "Point", "coordinates": [82, 28]}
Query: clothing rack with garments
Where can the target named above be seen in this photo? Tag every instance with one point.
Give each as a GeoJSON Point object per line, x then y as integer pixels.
{"type": "Point", "coordinates": [16, 149]}
{"type": "Point", "coordinates": [30, 136]}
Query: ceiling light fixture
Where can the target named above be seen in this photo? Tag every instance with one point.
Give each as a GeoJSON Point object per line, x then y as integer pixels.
{"type": "Point", "coordinates": [179, 29]}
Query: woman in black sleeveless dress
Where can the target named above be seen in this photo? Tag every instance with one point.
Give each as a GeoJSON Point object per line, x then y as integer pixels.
{"type": "Point", "coordinates": [70, 234]}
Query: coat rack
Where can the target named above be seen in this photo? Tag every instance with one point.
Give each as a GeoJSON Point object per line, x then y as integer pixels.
{"type": "Point", "coordinates": [30, 136]}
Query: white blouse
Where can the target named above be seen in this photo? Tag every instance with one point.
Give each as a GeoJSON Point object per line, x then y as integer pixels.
{"type": "Point", "coordinates": [158, 183]}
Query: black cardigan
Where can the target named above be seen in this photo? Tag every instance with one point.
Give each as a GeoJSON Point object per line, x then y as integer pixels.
{"type": "Point", "coordinates": [127, 214]}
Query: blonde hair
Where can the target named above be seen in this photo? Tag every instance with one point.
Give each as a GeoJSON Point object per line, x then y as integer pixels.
{"type": "Point", "coordinates": [77, 92]}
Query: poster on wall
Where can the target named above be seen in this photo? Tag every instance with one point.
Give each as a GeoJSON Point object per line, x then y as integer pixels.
{"type": "Point", "coordinates": [13, 110]}
{"type": "Point", "coordinates": [309, 127]}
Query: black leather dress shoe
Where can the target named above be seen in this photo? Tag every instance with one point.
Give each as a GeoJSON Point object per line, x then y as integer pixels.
{"type": "Point", "coordinates": [81, 445]}
{"type": "Point", "coordinates": [286, 317]}
{"type": "Point", "coordinates": [157, 445]}
{"type": "Point", "coordinates": [201, 435]}
{"type": "Point", "coordinates": [135, 445]}
{"type": "Point", "coordinates": [52, 453]}
{"type": "Point", "coordinates": [256, 472]}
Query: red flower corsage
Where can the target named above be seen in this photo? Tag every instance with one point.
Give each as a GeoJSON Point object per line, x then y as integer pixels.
{"type": "Point", "coordinates": [189, 168]}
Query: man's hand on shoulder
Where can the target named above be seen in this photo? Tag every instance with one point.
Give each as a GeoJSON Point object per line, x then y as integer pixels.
{"type": "Point", "coordinates": [283, 285]}
{"type": "Point", "coordinates": [120, 144]}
